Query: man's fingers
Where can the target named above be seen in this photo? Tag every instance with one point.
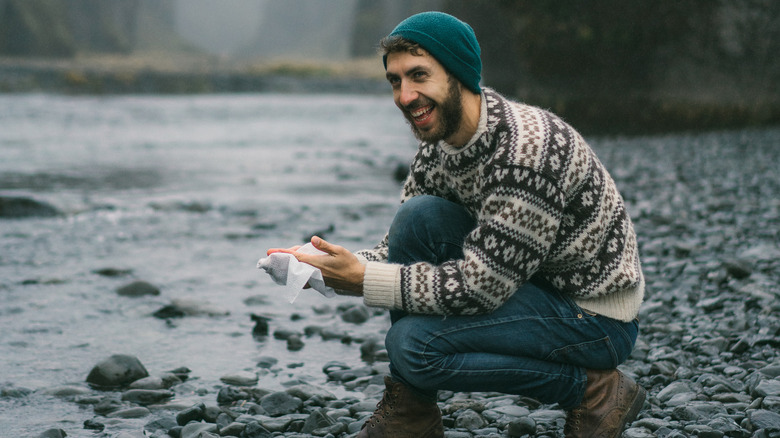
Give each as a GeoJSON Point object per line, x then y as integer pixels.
{"type": "Point", "coordinates": [322, 245]}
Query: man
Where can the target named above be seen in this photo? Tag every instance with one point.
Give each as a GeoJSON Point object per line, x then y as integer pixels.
{"type": "Point", "coordinates": [511, 264]}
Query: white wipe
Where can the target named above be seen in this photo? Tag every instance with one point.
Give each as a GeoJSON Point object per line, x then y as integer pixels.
{"type": "Point", "coordinates": [287, 271]}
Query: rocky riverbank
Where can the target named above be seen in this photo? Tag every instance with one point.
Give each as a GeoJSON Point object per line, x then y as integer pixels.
{"type": "Point", "coordinates": [708, 218]}
{"type": "Point", "coordinates": [605, 112]}
{"type": "Point", "coordinates": [185, 74]}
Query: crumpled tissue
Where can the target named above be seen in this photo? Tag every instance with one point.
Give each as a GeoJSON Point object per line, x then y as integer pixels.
{"type": "Point", "coordinates": [287, 271]}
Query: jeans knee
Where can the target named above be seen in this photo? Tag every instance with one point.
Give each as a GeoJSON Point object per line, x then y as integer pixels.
{"type": "Point", "coordinates": [410, 213]}
{"type": "Point", "coordinates": [405, 350]}
{"type": "Point", "coordinates": [411, 356]}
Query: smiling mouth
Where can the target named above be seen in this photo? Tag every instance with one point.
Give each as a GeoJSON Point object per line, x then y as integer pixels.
{"type": "Point", "coordinates": [421, 115]}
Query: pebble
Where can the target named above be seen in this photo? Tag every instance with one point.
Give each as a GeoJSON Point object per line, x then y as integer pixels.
{"type": "Point", "coordinates": [138, 289]}
{"type": "Point", "coordinates": [241, 378]}
{"type": "Point", "coordinates": [146, 396]}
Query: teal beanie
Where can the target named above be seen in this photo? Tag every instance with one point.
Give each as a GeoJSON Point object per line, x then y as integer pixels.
{"type": "Point", "coordinates": [451, 41]}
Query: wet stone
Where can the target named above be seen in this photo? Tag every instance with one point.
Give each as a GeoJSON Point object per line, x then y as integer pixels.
{"type": "Point", "coordinates": [521, 426]}
{"type": "Point", "coordinates": [470, 420]}
{"type": "Point", "coordinates": [165, 423]}
{"type": "Point", "coordinates": [194, 413]}
{"type": "Point", "coordinates": [280, 403]}
{"type": "Point", "coordinates": [134, 412]}
{"type": "Point", "coordinates": [198, 430]}
{"type": "Point", "coordinates": [138, 289]}
{"type": "Point", "coordinates": [763, 419]}
{"type": "Point", "coordinates": [318, 419]}
{"type": "Point", "coordinates": [53, 433]}
{"type": "Point", "coordinates": [146, 396]}
{"type": "Point", "coordinates": [12, 207]}
{"type": "Point", "coordinates": [242, 378]}
{"type": "Point", "coordinates": [117, 370]}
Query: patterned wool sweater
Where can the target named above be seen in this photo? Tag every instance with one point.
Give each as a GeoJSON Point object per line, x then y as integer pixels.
{"type": "Point", "coordinates": [546, 211]}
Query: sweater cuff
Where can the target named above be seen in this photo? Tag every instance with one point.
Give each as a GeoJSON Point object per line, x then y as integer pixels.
{"type": "Point", "coordinates": [382, 285]}
{"type": "Point", "coordinates": [361, 259]}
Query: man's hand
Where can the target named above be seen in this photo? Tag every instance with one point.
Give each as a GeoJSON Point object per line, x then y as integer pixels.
{"type": "Point", "coordinates": [340, 268]}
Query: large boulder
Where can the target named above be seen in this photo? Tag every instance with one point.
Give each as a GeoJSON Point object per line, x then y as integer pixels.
{"type": "Point", "coordinates": [14, 207]}
{"type": "Point", "coordinates": [117, 371]}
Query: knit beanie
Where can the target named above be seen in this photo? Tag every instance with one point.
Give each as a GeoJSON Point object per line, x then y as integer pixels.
{"type": "Point", "coordinates": [451, 41]}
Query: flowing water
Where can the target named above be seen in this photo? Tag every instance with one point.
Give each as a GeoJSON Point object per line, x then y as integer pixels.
{"type": "Point", "coordinates": [186, 193]}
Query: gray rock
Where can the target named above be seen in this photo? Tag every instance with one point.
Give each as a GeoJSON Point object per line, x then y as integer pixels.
{"type": "Point", "coordinates": [767, 388]}
{"type": "Point", "coordinates": [12, 207]}
{"type": "Point", "coordinates": [738, 269]}
{"type": "Point", "coordinates": [521, 426]}
{"type": "Point", "coordinates": [763, 419]}
{"type": "Point", "coordinates": [698, 411]}
{"type": "Point", "coordinates": [255, 430]}
{"type": "Point", "coordinates": [368, 405]}
{"type": "Point", "coordinates": [726, 425]}
{"type": "Point", "coordinates": [134, 412]}
{"type": "Point", "coordinates": [146, 396]}
{"type": "Point", "coordinates": [241, 378]}
{"type": "Point", "coordinates": [53, 433]}
{"type": "Point", "coordinates": [306, 391]}
{"type": "Point", "coordinates": [232, 429]}
{"type": "Point", "coordinates": [295, 343]}
{"type": "Point", "coordinates": [652, 424]}
{"type": "Point", "coordinates": [334, 429]}
{"type": "Point", "coordinates": [470, 420]}
{"type": "Point", "coordinates": [673, 389]}
{"type": "Point", "coordinates": [164, 381]}
{"type": "Point", "coordinates": [638, 432]}
{"type": "Point", "coordinates": [231, 394]}
{"type": "Point", "coordinates": [65, 391]}
{"type": "Point", "coordinates": [193, 413]}
{"type": "Point", "coordinates": [138, 289]}
{"type": "Point", "coordinates": [198, 430]}
{"type": "Point", "coordinates": [267, 362]}
{"type": "Point", "coordinates": [279, 424]}
{"type": "Point", "coordinates": [165, 423]}
{"type": "Point", "coordinates": [116, 371]}
{"type": "Point", "coordinates": [547, 415]}
{"type": "Point", "coordinates": [357, 314]}
{"type": "Point", "coordinates": [317, 420]}
{"type": "Point", "coordinates": [280, 403]}
{"type": "Point", "coordinates": [771, 403]}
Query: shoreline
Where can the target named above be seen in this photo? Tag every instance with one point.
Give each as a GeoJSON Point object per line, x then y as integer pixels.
{"type": "Point", "coordinates": [598, 113]}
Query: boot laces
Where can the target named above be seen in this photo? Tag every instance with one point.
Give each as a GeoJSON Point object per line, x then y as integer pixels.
{"type": "Point", "coordinates": [383, 408]}
{"type": "Point", "coordinates": [573, 421]}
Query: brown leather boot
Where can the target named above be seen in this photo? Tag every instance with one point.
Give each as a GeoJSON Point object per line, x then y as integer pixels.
{"type": "Point", "coordinates": [611, 401]}
{"type": "Point", "coordinates": [402, 414]}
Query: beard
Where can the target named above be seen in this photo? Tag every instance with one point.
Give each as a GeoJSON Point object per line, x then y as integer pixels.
{"type": "Point", "coordinates": [450, 114]}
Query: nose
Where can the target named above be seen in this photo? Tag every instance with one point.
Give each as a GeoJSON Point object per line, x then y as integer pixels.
{"type": "Point", "coordinates": [406, 93]}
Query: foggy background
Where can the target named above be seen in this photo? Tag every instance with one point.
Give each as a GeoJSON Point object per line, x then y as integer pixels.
{"type": "Point", "coordinates": [606, 65]}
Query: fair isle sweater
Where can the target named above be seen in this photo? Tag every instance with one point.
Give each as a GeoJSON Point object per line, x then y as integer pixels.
{"type": "Point", "coordinates": [547, 211]}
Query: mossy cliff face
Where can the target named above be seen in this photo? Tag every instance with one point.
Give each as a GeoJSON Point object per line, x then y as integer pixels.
{"type": "Point", "coordinates": [57, 28]}
{"type": "Point", "coordinates": [35, 27]}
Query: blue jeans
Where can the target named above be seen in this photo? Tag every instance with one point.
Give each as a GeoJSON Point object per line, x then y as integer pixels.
{"type": "Point", "coordinates": [538, 344]}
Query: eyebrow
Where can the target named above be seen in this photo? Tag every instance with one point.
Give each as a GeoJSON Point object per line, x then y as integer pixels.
{"type": "Point", "coordinates": [407, 73]}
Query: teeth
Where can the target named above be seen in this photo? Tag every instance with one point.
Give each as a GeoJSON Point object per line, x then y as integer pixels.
{"type": "Point", "coordinates": [420, 112]}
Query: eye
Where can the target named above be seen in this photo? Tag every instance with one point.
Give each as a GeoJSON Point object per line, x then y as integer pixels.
{"type": "Point", "coordinates": [419, 75]}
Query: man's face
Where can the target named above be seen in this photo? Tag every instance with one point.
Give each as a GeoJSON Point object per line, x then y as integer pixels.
{"type": "Point", "coordinates": [426, 94]}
